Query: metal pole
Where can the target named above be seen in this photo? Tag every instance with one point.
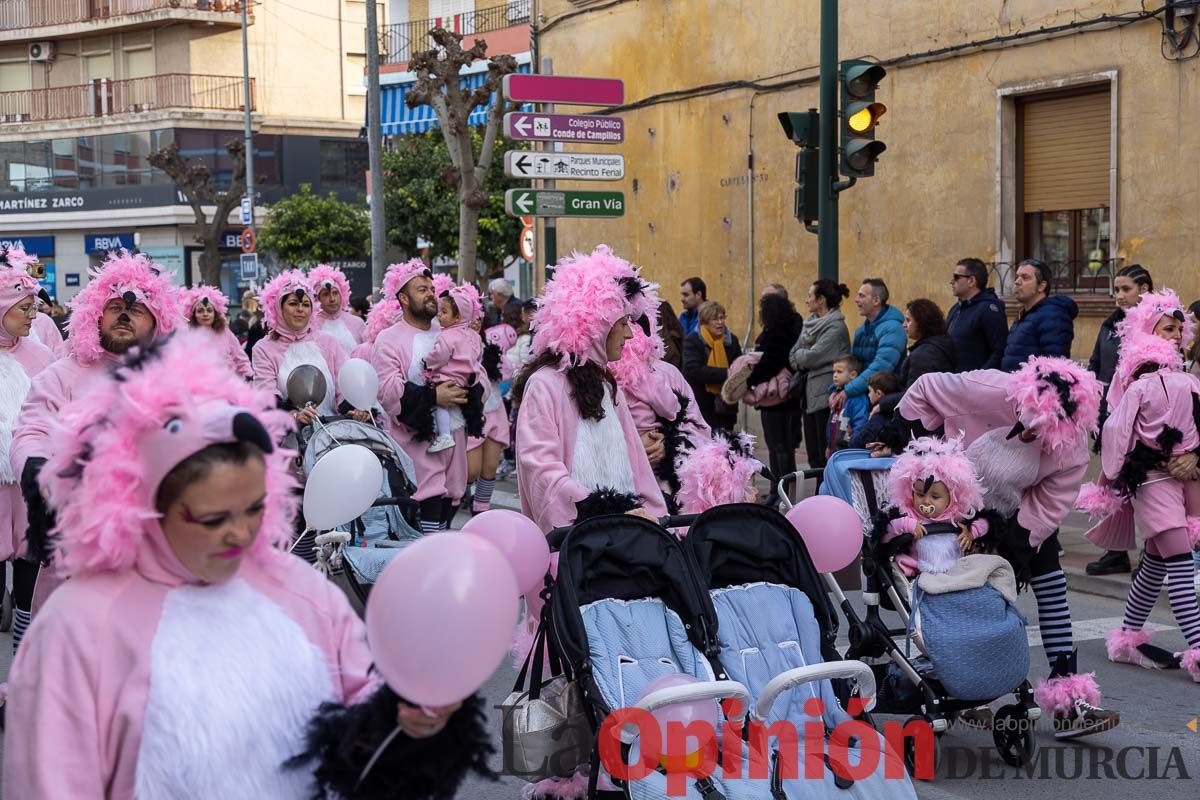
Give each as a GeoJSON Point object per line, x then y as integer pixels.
{"type": "Point", "coordinates": [549, 229]}
{"type": "Point", "coordinates": [249, 133]}
{"type": "Point", "coordinates": [827, 209]}
{"type": "Point", "coordinates": [375, 145]}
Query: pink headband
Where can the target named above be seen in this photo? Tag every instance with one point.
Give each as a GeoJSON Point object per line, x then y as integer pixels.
{"type": "Point", "coordinates": [324, 276]}
{"type": "Point", "coordinates": [277, 290]}
{"type": "Point", "coordinates": [120, 275]}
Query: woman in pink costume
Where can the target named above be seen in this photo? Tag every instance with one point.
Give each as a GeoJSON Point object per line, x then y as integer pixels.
{"type": "Point", "coordinates": [1026, 432]}
{"type": "Point", "coordinates": [332, 315]}
{"type": "Point", "coordinates": [188, 656]}
{"type": "Point", "coordinates": [205, 307]}
{"type": "Point", "coordinates": [21, 358]}
{"type": "Point", "coordinates": [293, 341]}
{"type": "Point", "coordinates": [1153, 422]}
{"type": "Point", "coordinates": [43, 328]}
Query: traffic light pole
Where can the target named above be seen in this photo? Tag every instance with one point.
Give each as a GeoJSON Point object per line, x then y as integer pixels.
{"type": "Point", "coordinates": [827, 208]}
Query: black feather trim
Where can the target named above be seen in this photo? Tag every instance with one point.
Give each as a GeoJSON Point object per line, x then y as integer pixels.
{"type": "Point", "coordinates": [472, 410]}
{"type": "Point", "coordinates": [40, 540]}
{"type": "Point", "coordinates": [491, 362]}
{"type": "Point", "coordinates": [1010, 540]}
{"type": "Point", "coordinates": [896, 434]}
{"type": "Point", "coordinates": [138, 357]}
{"type": "Point", "coordinates": [416, 410]}
{"type": "Point", "coordinates": [1144, 459]}
{"type": "Point", "coordinates": [342, 739]}
{"type": "Point", "coordinates": [989, 543]}
{"type": "Point", "coordinates": [606, 501]}
{"type": "Point", "coordinates": [675, 441]}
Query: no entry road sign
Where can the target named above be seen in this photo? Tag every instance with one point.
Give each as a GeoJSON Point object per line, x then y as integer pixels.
{"type": "Point", "coordinates": [568, 166]}
{"type": "Point", "coordinates": [564, 89]}
{"type": "Point", "coordinates": [564, 128]}
{"type": "Point", "coordinates": [547, 203]}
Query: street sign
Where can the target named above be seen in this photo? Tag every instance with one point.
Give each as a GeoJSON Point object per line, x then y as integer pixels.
{"type": "Point", "coordinates": [249, 264]}
{"type": "Point", "coordinates": [569, 166]}
{"type": "Point", "coordinates": [564, 128]}
{"type": "Point", "coordinates": [548, 203]}
{"type": "Point", "coordinates": [563, 89]}
{"type": "Point", "coordinates": [526, 243]}
{"type": "Point", "coordinates": [247, 219]}
{"type": "Point", "coordinates": [249, 241]}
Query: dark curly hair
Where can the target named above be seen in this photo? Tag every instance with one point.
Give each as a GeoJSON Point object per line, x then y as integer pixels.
{"type": "Point", "coordinates": [777, 312]}
{"type": "Point", "coordinates": [928, 318]}
{"type": "Point", "coordinates": [587, 383]}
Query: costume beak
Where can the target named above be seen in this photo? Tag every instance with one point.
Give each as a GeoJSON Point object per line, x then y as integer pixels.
{"type": "Point", "coordinates": [247, 428]}
{"type": "Point", "coordinates": [129, 299]}
{"type": "Point", "coordinates": [1017, 430]}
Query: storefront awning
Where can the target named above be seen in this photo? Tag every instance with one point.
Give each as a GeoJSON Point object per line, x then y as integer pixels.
{"type": "Point", "coordinates": [399, 119]}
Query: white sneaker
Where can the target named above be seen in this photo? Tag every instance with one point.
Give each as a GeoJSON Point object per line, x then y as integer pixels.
{"type": "Point", "coordinates": [1084, 719]}
{"type": "Point", "coordinates": [443, 442]}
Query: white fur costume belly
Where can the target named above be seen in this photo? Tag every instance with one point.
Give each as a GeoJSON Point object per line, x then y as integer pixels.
{"type": "Point", "coordinates": [14, 385]}
{"type": "Point", "coordinates": [298, 355]}
{"type": "Point", "coordinates": [601, 459]}
{"type": "Point", "coordinates": [1006, 468]}
{"type": "Point", "coordinates": [234, 683]}
{"type": "Point", "coordinates": [338, 330]}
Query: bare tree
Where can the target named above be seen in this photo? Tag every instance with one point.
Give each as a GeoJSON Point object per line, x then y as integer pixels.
{"type": "Point", "coordinates": [438, 85]}
{"type": "Point", "coordinates": [195, 182]}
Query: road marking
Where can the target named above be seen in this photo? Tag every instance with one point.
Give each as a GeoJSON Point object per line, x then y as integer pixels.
{"type": "Point", "coordinates": [1091, 629]}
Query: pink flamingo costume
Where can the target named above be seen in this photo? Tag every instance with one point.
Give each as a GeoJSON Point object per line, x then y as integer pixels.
{"type": "Point", "coordinates": [345, 328]}
{"type": "Point", "coordinates": [44, 330]}
{"type": "Point", "coordinates": [223, 340]}
{"type": "Point", "coordinates": [457, 357]}
{"type": "Point", "coordinates": [202, 690]}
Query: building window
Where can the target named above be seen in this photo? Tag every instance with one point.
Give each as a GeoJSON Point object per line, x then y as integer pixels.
{"type": "Point", "coordinates": [343, 165]}
{"type": "Point", "coordinates": [1065, 146]}
{"type": "Point", "coordinates": [15, 76]}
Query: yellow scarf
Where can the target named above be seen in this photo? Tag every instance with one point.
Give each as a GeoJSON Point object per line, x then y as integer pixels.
{"type": "Point", "coordinates": [716, 356]}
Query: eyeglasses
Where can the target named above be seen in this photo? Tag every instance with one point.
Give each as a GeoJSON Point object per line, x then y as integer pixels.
{"type": "Point", "coordinates": [956, 276]}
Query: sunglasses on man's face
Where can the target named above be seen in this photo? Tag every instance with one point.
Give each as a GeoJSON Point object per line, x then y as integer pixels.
{"type": "Point", "coordinates": [956, 276]}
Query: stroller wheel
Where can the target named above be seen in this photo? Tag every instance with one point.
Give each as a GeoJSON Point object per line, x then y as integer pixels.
{"type": "Point", "coordinates": [916, 751]}
{"type": "Point", "coordinates": [1012, 731]}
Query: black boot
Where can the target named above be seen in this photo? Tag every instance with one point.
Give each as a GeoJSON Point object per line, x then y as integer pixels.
{"type": "Point", "coordinates": [449, 509]}
{"type": "Point", "coordinates": [1111, 563]}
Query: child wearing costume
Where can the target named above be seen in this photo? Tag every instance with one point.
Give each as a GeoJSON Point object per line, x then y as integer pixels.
{"type": "Point", "coordinates": [934, 487]}
{"type": "Point", "coordinates": [457, 357]}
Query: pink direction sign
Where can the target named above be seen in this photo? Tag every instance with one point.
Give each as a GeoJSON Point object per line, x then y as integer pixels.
{"type": "Point", "coordinates": [563, 89]}
{"type": "Point", "coordinates": [564, 128]}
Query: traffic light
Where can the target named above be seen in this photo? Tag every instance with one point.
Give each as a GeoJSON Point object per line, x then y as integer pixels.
{"type": "Point", "coordinates": [801, 128]}
{"type": "Point", "coordinates": [858, 117]}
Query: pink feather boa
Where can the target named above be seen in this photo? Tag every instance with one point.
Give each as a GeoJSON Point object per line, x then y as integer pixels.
{"type": "Point", "coordinates": [323, 274]}
{"type": "Point", "coordinates": [638, 357]}
{"type": "Point", "coordinates": [943, 460]}
{"type": "Point", "coordinates": [17, 258]}
{"type": "Point", "coordinates": [1190, 660]}
{"type": "Point", "coordinates": [1040, 409]}
{"type": "Point", "coordinates": [1138, 350]}
{"type": "Point", "coordinates": [382, 316]}
{"type": "Point", "coordinates": [95, 480]}
{"type": "Point", "coordinates": [716, 472]}
{"type": "Point", "coordinates": [1058, 695]}
{"type": "Point", "coordinates": [1193, 530]}
{"type": "Point", "coordinates": [399, 274]}
{"type": "Point", "coordinates": [1099, 501]}
{"type": "Point", "coordinates": [1152, 307]}
{"type": "Point", "coordinates": [188, 298]}
{"type": "Point", "coordinates": [120, 273]}
{"type": "Point", "coordinates": [1122, 643]}
{"type": "Point", "coordinates": [277, 290]}
{"type": "Point", "coordinates": [572, 788]}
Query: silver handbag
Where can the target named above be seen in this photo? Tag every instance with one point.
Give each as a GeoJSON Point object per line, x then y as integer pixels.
{"type": "Point", "coordinates": [546, 726]}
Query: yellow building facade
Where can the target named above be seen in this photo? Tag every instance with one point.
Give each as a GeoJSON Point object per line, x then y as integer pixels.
{"type": "Point", "coordinates": [1014, 129]}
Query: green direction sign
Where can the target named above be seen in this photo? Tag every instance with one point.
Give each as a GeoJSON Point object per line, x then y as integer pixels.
{"type": "Point", "coordinates": [550, 203]}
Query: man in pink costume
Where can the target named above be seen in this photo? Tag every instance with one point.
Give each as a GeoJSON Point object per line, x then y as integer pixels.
{"type": "Point", "coordinates": [575, 460]}
{"type": "Point", "coordinates": [206, 308]}
{"type": "Point", "coordinates": [1027, 434]}
{"type": "Point", "coordinates": [189, 656]}
{"type": "Point", "coordinates": [408, 399]}
{"type": "Point", "coordinates": [127, 303]}
{"type": "Point", "coordinates": [332, 292]}
{"type": "Point", "coordinates": [21, 359]}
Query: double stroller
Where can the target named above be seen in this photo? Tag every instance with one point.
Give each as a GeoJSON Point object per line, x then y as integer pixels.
{"type": "Point", "coordinates": [354, 554]}
{"type": "Point", "coordinates": [908, 681]}
{"type": "Point", "coordinates": [739, 606]}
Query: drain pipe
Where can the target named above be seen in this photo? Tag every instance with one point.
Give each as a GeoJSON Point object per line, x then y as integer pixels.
{"type": "Point", "coordinates": [750, 225]}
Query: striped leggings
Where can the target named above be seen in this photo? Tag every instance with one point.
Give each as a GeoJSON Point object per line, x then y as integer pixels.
{"type": "Point", "coordinates": [1049, 586]}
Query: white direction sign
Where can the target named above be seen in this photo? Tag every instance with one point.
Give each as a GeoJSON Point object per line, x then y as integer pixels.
{"type": "Point", "coordinates": [564, 166]}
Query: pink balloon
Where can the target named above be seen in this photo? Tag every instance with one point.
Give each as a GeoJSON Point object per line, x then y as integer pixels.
{"type": "Point", "coordinates": [440, 618]}
{"type": "Point", "coordinates": [706, 711]}
{"type": "Point", "coordinates": [831, 529]}
{"type": "Point", "coordinates": [519, 539]}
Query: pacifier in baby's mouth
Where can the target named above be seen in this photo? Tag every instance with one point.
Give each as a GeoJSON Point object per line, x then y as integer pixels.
{"type": "Point", "coordinates": [927, 509]}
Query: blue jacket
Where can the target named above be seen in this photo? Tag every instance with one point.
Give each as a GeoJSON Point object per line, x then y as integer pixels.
{"type": "Point", "coordinates": [980, 331]}
{"type": "Point", "coordinates": [880, 345]}
{"type": "Point", "coordinates": [690, 320]}
{"type": "Point", "coordinates": [1047, 329]}
{"type": "Point", "coordinates": [857, 411]}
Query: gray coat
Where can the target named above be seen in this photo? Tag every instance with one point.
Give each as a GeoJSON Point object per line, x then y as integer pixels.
{"type": "Point", "coordinates": [822, 340]}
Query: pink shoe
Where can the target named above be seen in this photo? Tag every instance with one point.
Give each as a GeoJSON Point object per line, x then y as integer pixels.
{"type": "Point", "coordinates": [479, 508]}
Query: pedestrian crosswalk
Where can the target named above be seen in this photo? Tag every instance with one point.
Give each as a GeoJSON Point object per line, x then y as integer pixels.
{"type": "Point", "coordinates": [1090, 629]}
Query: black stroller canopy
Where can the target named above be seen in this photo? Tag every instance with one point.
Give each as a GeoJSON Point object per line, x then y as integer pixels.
{"type": "Point", "coordinates": [626, 558]}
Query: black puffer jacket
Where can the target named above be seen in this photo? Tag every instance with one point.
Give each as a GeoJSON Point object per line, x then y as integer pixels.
{"type": "Point", "coordinates": [931, 354]}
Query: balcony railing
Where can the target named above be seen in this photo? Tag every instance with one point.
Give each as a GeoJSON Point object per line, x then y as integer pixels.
{"type": "Point", "coordinates": [1076, 277]}
{"type": "Point", "coordinates": [103, 97]}
{"type": "Point", "coordinates": [44, 13]}
{"type": "Point", "coordinates": [398, 42]}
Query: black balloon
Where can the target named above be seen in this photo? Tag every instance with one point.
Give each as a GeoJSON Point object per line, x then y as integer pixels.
{"type": "Point", "coordinates": [306, 386]}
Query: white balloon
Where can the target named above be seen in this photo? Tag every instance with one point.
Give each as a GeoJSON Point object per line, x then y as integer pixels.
{"type": "Point", "coordinates": [359, 383]}
{"type": "Point", "coordinates": [343, 484]}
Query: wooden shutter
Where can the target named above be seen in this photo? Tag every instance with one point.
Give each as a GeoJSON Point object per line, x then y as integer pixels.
{"type": "Point", "coordinates": [1066, 157]}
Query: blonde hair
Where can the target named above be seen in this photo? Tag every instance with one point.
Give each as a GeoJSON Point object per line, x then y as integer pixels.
{"type": "Point", "coordinates": [710, 310]}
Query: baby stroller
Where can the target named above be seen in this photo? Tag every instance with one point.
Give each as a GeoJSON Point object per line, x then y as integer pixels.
{"type": "Point", "coordinates": [630, 605]}
{"type": "Point", "coordinates": [354, 554]}
{"type": "Point", "coordinates": [908, 686]}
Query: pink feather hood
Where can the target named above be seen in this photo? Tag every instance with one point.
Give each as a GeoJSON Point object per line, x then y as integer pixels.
{"type": "Point", "coordinates": [119, 274]}
{"type": "Point", "coordinates": [1055, 398]}
{"type": "Point", "coordinates": [277, 290]}
{"type": "Point", "coordinates": [942, 460]}
{"type": "Point", "coordinates": [324, 276]}
{"type": "Point", "coordinates": [190, 298]}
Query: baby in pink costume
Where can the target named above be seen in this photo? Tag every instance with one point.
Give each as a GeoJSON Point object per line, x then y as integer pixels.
{"type": "Point", "coordinates": [456, 358]}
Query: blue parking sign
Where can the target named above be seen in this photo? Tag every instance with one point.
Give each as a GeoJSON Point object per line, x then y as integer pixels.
{"type": "Point", "coordinates": [249, 266]}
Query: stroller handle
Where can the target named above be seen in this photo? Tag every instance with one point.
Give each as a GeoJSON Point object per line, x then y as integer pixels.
{"type": "Point", "coordinates": [781, 487]}
{"type": "Point", "coordinates": [704, 690]}
{"type": "Point", "coordinates": [556, 535]}
{"type": "Point", "coordinates": [817, 672]}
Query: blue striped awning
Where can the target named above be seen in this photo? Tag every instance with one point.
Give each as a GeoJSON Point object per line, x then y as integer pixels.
{"type": "Point", "coordinates": [399, 119]}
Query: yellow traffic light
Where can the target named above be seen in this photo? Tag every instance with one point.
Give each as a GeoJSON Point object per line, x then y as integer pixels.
{"type": "Point", "coordinates": [864, 116]}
